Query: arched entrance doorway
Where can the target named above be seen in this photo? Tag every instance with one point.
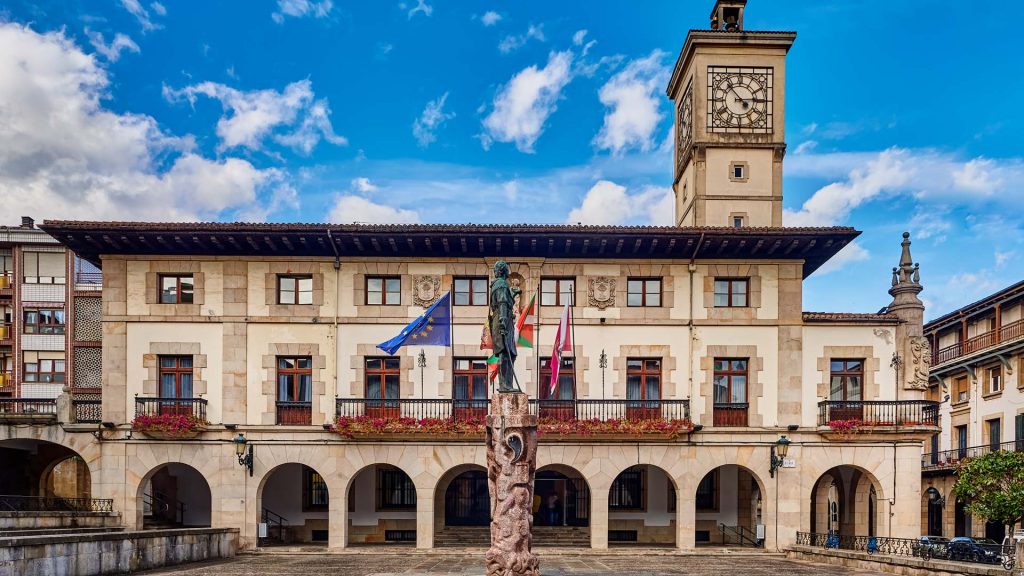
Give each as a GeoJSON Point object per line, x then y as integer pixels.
{"type": "Point", "coordinates": [962, 520]}
{"type": "Point", "coordinates": [174, 495]}
{"type": "Point", "coordinates": [933, 506]}
{"type": "Point", "coordinates": [381, 506]}
{"type": "Point", "coordinates": [37, 468]}
{"type": "Point", "coordinates": [730, 508]}
{"type": "Point", "coordinates": [294, 505]}
{"type": "Point", "coordinates": [844, 501]}
{"type": "Point", "coordinates": [642, 507]}
{"type": "Point", "coordinates": [466, 501]}
{"type": "Point", "coordinates": [561, 504]}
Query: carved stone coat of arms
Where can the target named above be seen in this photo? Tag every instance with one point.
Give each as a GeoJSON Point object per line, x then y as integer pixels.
{"type": "Point", "coordinates": [426, 290]}
{"type": "Point", "coordinates": [601, 292]}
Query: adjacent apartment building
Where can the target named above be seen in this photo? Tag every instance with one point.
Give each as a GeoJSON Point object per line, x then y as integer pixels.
{"type": "Point", "coordinates": [977, 359]}
{"type": "Point", "coordinates": [700, 404]}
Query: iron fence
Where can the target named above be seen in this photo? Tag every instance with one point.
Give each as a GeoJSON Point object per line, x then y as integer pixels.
{"type": "Point", "coordinates": [171, 406]}
{"type": "Point", "coordinates": [952, 458]}
{"type": "Point", "coordinates": [28, 406]}
{"type": "Point", "coordinates": [963, 550]}
{"type": "Point", "coordinates": [13, 503]}
{"type": "Point", "coordinates": [459, 409]}
{"type": "Point", "coordinates": [87, 410]}
{"type": "Point", "coordinates": [880, 412]}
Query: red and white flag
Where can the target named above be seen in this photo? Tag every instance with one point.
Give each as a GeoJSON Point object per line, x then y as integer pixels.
{"type": "Point", "coordinates": [563, 343]}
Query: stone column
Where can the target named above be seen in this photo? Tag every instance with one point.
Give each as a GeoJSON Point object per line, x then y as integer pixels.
{"type": "Point", "coordinates": [424, 518]}
{"type": "Point", "coordinates": [337, 521]}
{"type": "Point", "coordinates": [686, 516]}
{"type": "Point", "coordinates": [599, 519]}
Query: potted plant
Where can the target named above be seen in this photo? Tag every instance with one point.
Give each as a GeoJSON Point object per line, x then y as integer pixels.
{"type": "Point", "coordinates": [168, 426]}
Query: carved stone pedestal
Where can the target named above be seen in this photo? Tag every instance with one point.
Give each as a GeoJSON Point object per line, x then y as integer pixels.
{"type": "Point", "coordinates": [511, 464]}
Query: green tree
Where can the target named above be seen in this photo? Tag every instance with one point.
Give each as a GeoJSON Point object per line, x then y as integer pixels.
{"type": "Point", "coordinates": [993, 486]}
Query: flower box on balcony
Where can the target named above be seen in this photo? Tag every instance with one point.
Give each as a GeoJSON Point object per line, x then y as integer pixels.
{"type": "Point", "coordinates": [168, 426]}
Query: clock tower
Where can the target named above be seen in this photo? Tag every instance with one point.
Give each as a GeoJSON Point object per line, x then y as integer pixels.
{"type": "Point", "coordinates": [728, 87]}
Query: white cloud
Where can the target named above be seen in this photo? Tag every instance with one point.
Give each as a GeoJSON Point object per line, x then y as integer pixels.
{"type": "Point", "coordinates": [833, 203]}
{"type": "Point", "coordinates": [421, 7]}
{"type": "Point", "coordinates": [350, 209]}
{"type": "Point", "coordinates": [578, 37]}
{"type": "Point", "coordinates": [930, 222]}
{"type": "Point", "coordinates": [142, 15]}
{"type": "Point", "coordinates": [158, 8]}
{"type": "Point", "coordinates": [63, 155]}
{"type": "Point", "coordinates": [112, 51]}
{"type": "Point", "coordinates": [852, 252]}
{"type": "Point", "coordinates": [978, 175]}
{"type": "Point", "coordinates": [511, 190]}
{"type": "Point", "coordinates": [524, 104]}
{"type": "Point", "coordinates": [253, 116]}
{"type": "Point", "coordinates": [384, 50]}
{"type": "Point", "coordinates": [511, 42]}
{"type": "Point", "coordinates": [490, 18]}
{"type": "Point", "coordinates": [1003, 257]}
{"type": "Point", "coordinates": [301, 9]}
{"type": "Point", "coordinates": [363, 185]}
{"type": "Point", "coordinates": [806, 147]}
{"type": "Point", "coordinates": [607, 203]}
{"type": "Point", "coordinates": [432, 118]}
{"type": "Point", "coordinates": [634, 101]}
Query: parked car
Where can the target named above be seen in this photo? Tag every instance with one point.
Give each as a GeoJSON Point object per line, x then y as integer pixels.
{"type": "Point", "coordinates": [931, 547]}
{"type": "Point", "coordinates": [969, 550]}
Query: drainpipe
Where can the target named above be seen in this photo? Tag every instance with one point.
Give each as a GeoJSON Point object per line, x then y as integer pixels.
{"type": "Point", "coordinates": [337, 305]}
{"type": "Point", "coordinates": [691, 269]}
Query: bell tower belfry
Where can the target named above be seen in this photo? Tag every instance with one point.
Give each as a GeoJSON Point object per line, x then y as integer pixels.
{"type": "Point", "coordinates": [728, 87]}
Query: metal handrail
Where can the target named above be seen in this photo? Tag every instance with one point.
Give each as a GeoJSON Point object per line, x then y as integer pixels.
{"type": "Point", "coordinates": [951, 458]}
{"type": "Point", "coordinates": [893, 546]}
{"type": "Point", "coordinates": [1007, 333]}
{"type": "Point", "coordinates": [148, 406]}
{"type": "Point", "coordinates": [28, 406]}
{"type": "Point", "coordinates": [15, 503]}
{"type": "Point", "coordinates": [464, 409]}
{"type": "Point", "coordinates": [880, 412]}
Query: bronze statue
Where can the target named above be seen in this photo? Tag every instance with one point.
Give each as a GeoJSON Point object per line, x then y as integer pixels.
{"type": "Point", "coordinates": [501, 322]}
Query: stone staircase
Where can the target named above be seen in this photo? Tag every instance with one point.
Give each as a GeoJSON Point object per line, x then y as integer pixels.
{"type": "Point", "coordinates": [543, 536]}
{"type": "Point", "coordinates": [59, 531]}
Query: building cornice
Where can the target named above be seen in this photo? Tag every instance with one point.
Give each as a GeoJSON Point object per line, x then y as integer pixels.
{"type": "Point", "coordinates": [695, 38]}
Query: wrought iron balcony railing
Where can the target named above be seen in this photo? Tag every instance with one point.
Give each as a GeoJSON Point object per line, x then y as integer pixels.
{"type": "Point", "coordinates": [171, 406]}
{"type": "Point", "coordinates": [948, 459]}
{"type": "Point", "coordinates": [880, 412]}
{"type": "Point", "coordinates": [454, 409]}
{"type": "Point", "coordinates": [27, 407]}
{"type": "Point", "coordinates": [54, 504]}
{"type": "Point", "coordinates": [1008, 333]}
{"type": "Point", "coordinates": [87, 410]}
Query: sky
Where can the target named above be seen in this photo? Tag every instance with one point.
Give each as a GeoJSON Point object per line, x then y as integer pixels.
{"type": "Point", "coordinates": [901, 115]}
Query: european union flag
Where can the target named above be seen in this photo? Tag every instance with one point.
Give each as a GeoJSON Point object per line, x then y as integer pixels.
{"type": "Point", "coordinates": [432, 328]}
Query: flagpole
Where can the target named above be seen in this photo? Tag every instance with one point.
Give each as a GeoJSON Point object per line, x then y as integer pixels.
{"type": "Point", "coordinates": [572, 329]}
{"type": "Point", "coordinates": [536, 344]}
{"type": "Point", "coordinates": [451, 340]}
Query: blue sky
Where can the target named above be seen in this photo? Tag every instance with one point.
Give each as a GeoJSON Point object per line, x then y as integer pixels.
{"type": "Point", "coordinates": [900, 116]}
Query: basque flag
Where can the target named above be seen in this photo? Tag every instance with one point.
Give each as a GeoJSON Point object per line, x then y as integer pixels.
{"type": "Point", "coordinates": [432, 328]}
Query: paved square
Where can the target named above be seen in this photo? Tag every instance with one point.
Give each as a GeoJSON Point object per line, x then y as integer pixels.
{"type": "Point", "coordinates": [414, 564]}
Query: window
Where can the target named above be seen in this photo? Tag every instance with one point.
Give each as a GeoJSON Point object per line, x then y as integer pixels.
{"type": "Point", "coordinates": [961, 440]}
{"type": "Point", "coordinates": [738, 172]}
{"type": "Point", "coordinates": [470, 291]}
{"type": "Point", "coordinates": [707, 492]}
{"type": "Point", "coordinates": [730, 383]}
{"type": "Point", "coordinates": [1019, 432]}
{"type": "Point", "coordinates": [566, 389]}
{"type": "Point", "coordinates": [847, 380]}
{"type": "Point", "coordinates": [383, 291]}
{"type": "Point", "coordinates": [294, 390]}
{"type": "Point", "coordinates": [176, 289]}
{"type": "Point", "coordinates": [470, 379]}
{"type": "Point", "coordinates": [628, 490]}
{"type": "Point", "coordinates": [44, 322]}
{"type": "Point", "coordinates": [737, 221]}
{"type": "Point", "coordinates": [643, 379]}
{"type": "Point", "coordinates": [295, 289]}
{"type": "Point", "coordinates": [643, 292]}
{"type": "Point", "coordinates": [314, 490]}
{"type": "Point", "coordinates": [995, 379]}
{"type": "Point", "coordinates": [44, 267]}
{"type": "Point", "coordinates": [960, 389]}
{"type": "Point", "coordinates": [557, 291]}
{"type": "Point", "coordinates": [382, 378]}
{"type": "Point", "coordinates": [731, 292]}
{"type": "Point", "coordinates": [175, 376]}
{"type": "Point", "coordinates": [44, 371]}
{"type": "Point", "coordinates": [994, 433]}
{"type": "Point", "coordinates": [395, 490]}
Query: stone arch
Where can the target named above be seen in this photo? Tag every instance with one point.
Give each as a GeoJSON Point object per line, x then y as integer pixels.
{"type": "Point", "coordinates": [932, 512]}
{"type": "Point", "coordinates": [27, 468]}
{"type": "Point", "coordinates": [292, 515]}
{"type": "Point", "coordinates": [174, 494]}
{"type": "Point", "coordinates": [857, 496]}
{"type": "Point", "coordinates": [143, 459]}
{"type": "Point", "coordinates": [643, 506]}
{"type": "Point", "coordinates": [466, 503]}
{"type": "Point", "coordinates": [730, 503]}
{"type": "Point", "coordinates": [382, 501]}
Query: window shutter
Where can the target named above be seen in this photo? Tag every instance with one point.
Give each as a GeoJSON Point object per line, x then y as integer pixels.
{"type": "Point", "coordinates": [1020, 427]}
{"type": "Point", "coordinates": [51, 264]}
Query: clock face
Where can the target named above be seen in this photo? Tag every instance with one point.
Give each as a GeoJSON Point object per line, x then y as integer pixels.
{"type": "Point", "coordinates": [740, 99]}
{"type": "Point", "coordinates": [684, 125]}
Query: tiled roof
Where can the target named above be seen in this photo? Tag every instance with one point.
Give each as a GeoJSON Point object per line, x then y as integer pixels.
{"type": "Point", "coordinates": [882, 317]}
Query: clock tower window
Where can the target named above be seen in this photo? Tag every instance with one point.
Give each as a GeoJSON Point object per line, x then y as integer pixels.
{"type": "Point", "coordinates": [738, 172]}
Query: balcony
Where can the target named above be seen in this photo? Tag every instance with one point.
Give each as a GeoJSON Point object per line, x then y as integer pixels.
{"type": "Point", "coordinates": [6, 333]}
{"type": "Point", "coordinates": [295, 413]}
{"type": "Point", "coordinates": [730, 414]}
{"type": "Point", "coordinates": [950, 459]}
{"type": "Point", "coordinates": [6, 378]}
{"type": "Point", "coordinates": [88, 280]}
{"type": "Point", "coordinates": [195, 407]}
{"type": "Point", "coordinates": [5, 284]}
{"type": "Point", "coordinates": [1009, 333]}
{"type": "Point", "coordinates": [28, 410]}
{"type": "Point", "coordinates": [878, 413]}
{"type": "Point", "coordinates": [560, 410]}
{"type": "Point", "coordinates": [87, 410]}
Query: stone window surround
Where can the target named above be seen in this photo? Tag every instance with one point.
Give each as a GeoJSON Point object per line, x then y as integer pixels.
{"type": "Point", "coordinates": [269, 365]}
{"type": "Point", "coordinates": [668, 366]}
{"type": "Point", "coordinates": [158, 268]}
{"type": "Point", "coordinates": [293, 269]}
{"type": "Point", "coordinates": [755, 389]}
{"type": "Point", "coordinates": [743, 215]}
{"type": "Point", "coordinates": [446, 365]}
{"type": "Point", "coordinates": [732, 171]}
{"type": "Point", "coordinates": [582, 364]}
{"type": "Point", "coordinates": [151, 362]}
{"type": "Point", "coordinates": [986, 420]}
{"type": "Point", "coordinates": [869, 388]}
{"type": "Point", "coordinates": [746, 313]}
{"type": "Point", "coordinates": [668, 292]}
{"type": "Point", "coordinates": [987, 391]}
{"type": "Point", "coordinates": [357, 361]}
{"type": "Point", "coordinates": [398, 270]}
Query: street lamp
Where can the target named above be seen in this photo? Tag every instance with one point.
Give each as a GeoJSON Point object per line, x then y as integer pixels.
{"type": "Point", "coordinates": [244, 456]}
{"type": "Point", "coordinates": [779, 451]}
{"type": "Point", "coordinates": [421, 361]}
{"type": "Point", "coordinates": [602, 361]}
